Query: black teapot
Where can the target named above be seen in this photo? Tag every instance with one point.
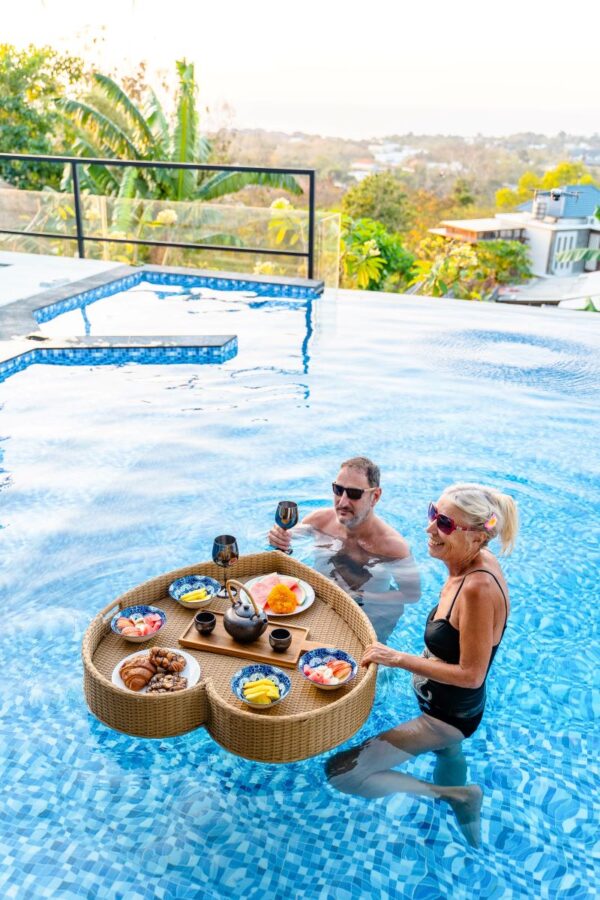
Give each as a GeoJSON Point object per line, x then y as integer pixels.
{"type": "Point", "coordinates": [244, 621]}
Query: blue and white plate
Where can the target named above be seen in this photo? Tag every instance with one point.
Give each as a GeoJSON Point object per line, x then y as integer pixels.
{"type": "Point", "coordinates": [254, 673]}
{"type": "Point", "coordinates": [133, 612]}
{"type": "Point", "coordinates": [189, 583]}
{"type": "Point", "coordinates": [320, 657]}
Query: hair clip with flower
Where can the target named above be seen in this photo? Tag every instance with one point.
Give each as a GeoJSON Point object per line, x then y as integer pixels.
{"type": "Point", "coordinates": [491, 522]}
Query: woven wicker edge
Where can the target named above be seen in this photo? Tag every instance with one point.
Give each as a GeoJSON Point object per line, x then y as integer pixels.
{"type": "Point", "coordinates": [349, 711]}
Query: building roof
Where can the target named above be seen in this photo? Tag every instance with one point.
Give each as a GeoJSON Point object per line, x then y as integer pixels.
{"type": "Point", "coordinates": [584, 204]}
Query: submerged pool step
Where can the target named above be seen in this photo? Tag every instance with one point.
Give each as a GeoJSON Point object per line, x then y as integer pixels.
{"type": "Point", "coordinates": [118, 350]}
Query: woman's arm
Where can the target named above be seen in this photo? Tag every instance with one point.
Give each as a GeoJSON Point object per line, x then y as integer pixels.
{"type": "Point", "coordinates": [476, 627]}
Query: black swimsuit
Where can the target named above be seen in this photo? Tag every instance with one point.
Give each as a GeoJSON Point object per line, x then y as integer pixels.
{"type": "Point", "coordinates": [461, 707]}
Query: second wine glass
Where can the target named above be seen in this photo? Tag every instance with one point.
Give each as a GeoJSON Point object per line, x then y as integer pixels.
{"type": "Point", "coordinates": [224, 553]}
{"type": "Point", "coordinates": [286, 517]}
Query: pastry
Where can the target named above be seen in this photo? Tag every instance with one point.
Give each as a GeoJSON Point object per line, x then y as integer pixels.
{"type": "Point", "coordinates": [166, 684]}
{"type": "Point", "coordinates": [137, 672]}
{"type": "Point", "coordinates": [167, 660]}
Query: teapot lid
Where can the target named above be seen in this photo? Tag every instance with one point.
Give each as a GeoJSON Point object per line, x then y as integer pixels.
{"type": "Point", "coordinates": [244, 607]}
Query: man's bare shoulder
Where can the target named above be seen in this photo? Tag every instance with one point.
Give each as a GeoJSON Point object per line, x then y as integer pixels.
{"type": "Point", "coordinates": [390, 543]}
{"type": "Point", "coordinates": [321, 519]}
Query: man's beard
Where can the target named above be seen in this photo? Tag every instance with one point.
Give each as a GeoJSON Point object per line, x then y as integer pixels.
{"type": "Point", "coordinates": [354, 522]}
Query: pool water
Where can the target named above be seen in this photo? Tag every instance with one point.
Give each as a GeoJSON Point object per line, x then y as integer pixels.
{"type": "Point", "coordinates": [113, 475]}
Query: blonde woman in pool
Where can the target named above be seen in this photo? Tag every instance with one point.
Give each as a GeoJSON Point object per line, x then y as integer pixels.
{"type": "Point", "coordinates": [462, 634]}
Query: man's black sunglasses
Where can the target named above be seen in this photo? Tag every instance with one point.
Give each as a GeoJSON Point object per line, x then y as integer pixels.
{"type": "Point", "coordinates": [352, 493]}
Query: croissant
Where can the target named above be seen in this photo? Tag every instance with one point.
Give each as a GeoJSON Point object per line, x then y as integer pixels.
{"type": "Point", "coordinates": [167, 660]}
{"type": "Point", "coordinates": [136, 673]}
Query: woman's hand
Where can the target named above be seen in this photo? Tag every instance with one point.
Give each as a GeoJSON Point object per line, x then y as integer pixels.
{"type": "Point", "coordinates": [382, 654]}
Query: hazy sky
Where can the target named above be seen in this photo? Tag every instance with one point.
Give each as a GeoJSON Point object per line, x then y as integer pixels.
{"type": "Point", "coordinates": [352, 69]}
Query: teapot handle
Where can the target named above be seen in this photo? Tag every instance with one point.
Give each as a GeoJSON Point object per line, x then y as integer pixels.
{"type": "Point", "coordinates": [233, 582]}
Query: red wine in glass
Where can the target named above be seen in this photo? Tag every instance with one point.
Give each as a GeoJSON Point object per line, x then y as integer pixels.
{"type": "Point", "coordinates": [286, 516]}
{"type": "Point", "coordinates": [224, 553]}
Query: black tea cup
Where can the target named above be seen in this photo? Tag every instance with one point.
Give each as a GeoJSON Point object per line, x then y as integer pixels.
{"type": "Point", "coordinates": [205, 622]}
{"type": "Point", "coordinates": [280, 639]}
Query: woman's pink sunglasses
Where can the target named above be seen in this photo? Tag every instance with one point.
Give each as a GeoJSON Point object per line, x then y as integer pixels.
{"type": "Point", "coordinates": [445, 523]}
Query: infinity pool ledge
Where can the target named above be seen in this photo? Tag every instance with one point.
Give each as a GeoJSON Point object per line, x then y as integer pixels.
{"type": "Point", "coordinates": [118, 350]}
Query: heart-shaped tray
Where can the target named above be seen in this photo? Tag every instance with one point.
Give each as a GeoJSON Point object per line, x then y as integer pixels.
{"type": "Point", "coordinates": [308, 722]}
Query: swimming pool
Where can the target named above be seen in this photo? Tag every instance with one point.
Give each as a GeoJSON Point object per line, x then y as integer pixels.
{"type": "Point", "coordinates": [112, 475]}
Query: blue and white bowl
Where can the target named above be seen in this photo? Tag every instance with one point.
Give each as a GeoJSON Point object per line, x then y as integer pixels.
{"type": "Point", "coordinates": [320, 657]}
{"type": "Point", "coordinates": [254, 673]}
{"type": "Point", "coordinates": [193, 583]}
{"type": "Point", "coordinates": [133, 612]}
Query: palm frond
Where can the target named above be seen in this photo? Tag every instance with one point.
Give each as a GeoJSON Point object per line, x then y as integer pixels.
{"type": "Point", "coordinates": [185, 141]}
{"type": "Point", "coordinates": [231, 182]}
{"type": "Point", "coordinates": [120, 99]}
{"type": "Point", "coordinates": [102, 131]}
{"type": "Point", "coordinates": [125, 206]}
{"type": "Point", "coordinates": [157, 121]}
{"type": "Point", "coordinates": [95, 178]}
{"type": "Point", "coordinates": [99, 180]}
{"type": "Point", "coordinates": [203, 150]}
{"type": "Point", "coordinates": [221, 239]}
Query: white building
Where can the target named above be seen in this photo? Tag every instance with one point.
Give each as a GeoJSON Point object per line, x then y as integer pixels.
{"type": "Point", "coordinates": [559, 220]}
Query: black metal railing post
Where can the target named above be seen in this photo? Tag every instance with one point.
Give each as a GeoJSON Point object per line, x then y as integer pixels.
{"type": "Point", "coordinates": [311, 224]}
{"type": "Point", "coordinates": [81, 237]}
{"type": "Point", "coordinates": [78, 216]}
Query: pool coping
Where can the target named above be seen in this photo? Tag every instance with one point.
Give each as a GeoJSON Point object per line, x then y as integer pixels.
{"type": "Point", "coordinates": [18, 319]}
{"type": "Point", "coordinates": [117, 350]}
{"type": "Point", "coordinates": [24, 345]}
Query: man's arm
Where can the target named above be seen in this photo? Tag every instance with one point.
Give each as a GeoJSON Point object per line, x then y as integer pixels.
{"type": "Point", "coordinates": [281, 539]}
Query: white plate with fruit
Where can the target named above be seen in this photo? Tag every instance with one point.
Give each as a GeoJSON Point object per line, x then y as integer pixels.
{"type": "Point", "coordinates": [295, 595]}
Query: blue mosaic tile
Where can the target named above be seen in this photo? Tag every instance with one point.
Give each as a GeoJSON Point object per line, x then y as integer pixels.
{"type": "Point", "coordinates": [261, 288]}
{"type": "Point", "coordinates": [119, 356]}
{"type": "Point", "coordinates": [77, 301]}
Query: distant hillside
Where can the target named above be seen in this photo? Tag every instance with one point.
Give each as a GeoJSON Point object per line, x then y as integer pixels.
{"type": "Point", "coordinates": [425, 162]}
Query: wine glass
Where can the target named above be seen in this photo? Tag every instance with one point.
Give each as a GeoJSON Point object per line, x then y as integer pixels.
{"type": "Point", "coordinates": [224, 553]}
{"type": "Point", "coordinates": [286, 516]}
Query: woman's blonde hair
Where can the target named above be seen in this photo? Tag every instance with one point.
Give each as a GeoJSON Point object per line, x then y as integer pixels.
{"type": "Point", "coordinates": [494, 512]}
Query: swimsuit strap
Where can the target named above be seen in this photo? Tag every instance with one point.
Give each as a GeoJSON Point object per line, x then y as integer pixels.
{"type": "Point", "coordinates": [447, 617]}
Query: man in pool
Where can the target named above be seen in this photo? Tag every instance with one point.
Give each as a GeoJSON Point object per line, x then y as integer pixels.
{"type": "Point", "coordinates": [368, 558]}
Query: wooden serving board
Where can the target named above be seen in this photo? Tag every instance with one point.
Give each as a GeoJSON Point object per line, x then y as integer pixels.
{"type": "Point", "coordinates": [219, 641]}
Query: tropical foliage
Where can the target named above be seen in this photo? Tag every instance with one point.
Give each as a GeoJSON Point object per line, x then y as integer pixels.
{"type": "Point", "coordinates": [372, 258]}
{"type": "Point", "coordinates": [108, 123]}
{"type": "Point", "coordinates": [30, 80]}
{"type": "Point", "coordinates": [469, 271]}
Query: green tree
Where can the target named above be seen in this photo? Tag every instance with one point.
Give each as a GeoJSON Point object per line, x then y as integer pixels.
{"type": "Point", "coordinates": [462, 193]}
{"type": "Point", "coordinates": [380, 197]}
{"type": "Point", "coordinates": [469, 271]}
{"type": "Point", "coordinates": [565, 172]}
{"type": "Point", "coordinates": [373, 259]}
{"type": "Point", "coordinates": [108, 123]}
{"type": "Point", "coordinates": [507, 262]}
{"type": "Point", "coordinates": [30, 81]}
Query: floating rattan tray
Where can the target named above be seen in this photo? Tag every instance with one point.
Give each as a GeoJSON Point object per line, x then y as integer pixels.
{"type": "Point", "coordinates": [308, 722]}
